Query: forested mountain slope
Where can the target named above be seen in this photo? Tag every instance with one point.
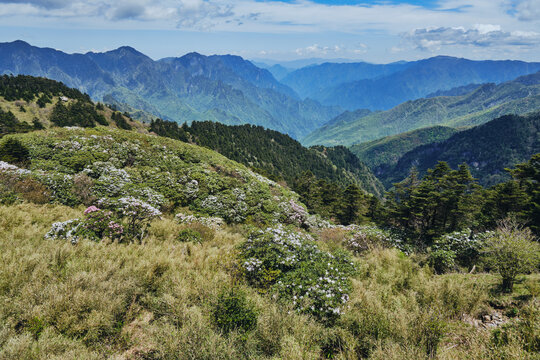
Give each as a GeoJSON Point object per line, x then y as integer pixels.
{"type": "Point", "coordinates": [273, 153]}
{"type": "Point", "coordinates": [383, 154]}
{"type": "Point", "coordinates": [484, 103]}
{"type": "Point", "coordinates": [487, 149]}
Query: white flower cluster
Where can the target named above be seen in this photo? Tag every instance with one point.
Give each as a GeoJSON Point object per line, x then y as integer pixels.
{"type": "Point", "coordinates": [4, 166]}
{"type": "Point", "coordinates": [315, 281]}
{"type": "Point", "coordinates": [192, 189]}
{"type": "Point", "coordinates": [65, 230]}
{"type": "Point", "coordinates": [148, 195]}
{"type": "Point", "coordinates": [252, 265]}
{"type": "Point", "coordinates": [110, 180]}
{"type": "Point", "coordinates": [130, 206]}
{"type": "Point", "coordinates": [316, 222]}
{"type": "Point", "coordinates": [293, 213]}
{"type": "Point", "coordinates": [462, 243]}
{"type": "Point", "coordinates": [231, 207]}
{"type": "Point", "coordinates": [360, 238]}
{"type": "Point", "coordinates": [211, 222]}
{"type": "Point", "coordinates": [261, 178]}
{"type": "Point", "coordinates": [69, 145]}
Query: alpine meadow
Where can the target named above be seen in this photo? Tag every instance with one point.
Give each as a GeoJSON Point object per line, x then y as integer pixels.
{"type": "Point", "coordinates": [270, 179]}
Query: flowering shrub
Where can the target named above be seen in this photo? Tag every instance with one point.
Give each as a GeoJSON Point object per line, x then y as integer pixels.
{"type": "Point", "coordinates": [458, 248]}
{"type": "Point", "coordinates": [81, 165]}
{"type": "Point", "coordinates": [124, 219]}
{"type": "Point", "coordinates": [229, 204]}
{"type": "Point", "coordinates": [4, 166]}
{"type": "Point", "coordinates": [291, 265]}
{"type": "Point", "coordinates": [316, 222]}
{"type": "Point", "coordinates": [365, 237]}
{"type": "Point", "coordinates": [211, 222]}
{"type": "Point", "coordinates": [99, 224]}
{"type": "Point", "coordinates": [293, 213]}
{"type": "Point", "coordinates": [66, 230]}
{"type": "Point", "coordinates": [360, 238]}
{"type": "Point", "coordinates": [61, 188]}
{"type": "Point", "coordinates": [135, 214]}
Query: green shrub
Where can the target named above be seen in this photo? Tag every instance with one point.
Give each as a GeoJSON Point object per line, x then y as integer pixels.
{"type": "Point", "coordinates": [442, 260]}
{"type": "Point", "coordinates": [189, 235]}
{"type": "Point", "coordinates": [465, 246]}
{"type": "Point", "coordinates": [14, 152]}
{"type": "Point", "coordinates": [512, 250]}
{"type": "Point", "coordinates": [232, 311]}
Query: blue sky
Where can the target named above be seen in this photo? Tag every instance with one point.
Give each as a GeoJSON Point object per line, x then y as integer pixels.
{"type": "Point", "coordinates": [374, 31]}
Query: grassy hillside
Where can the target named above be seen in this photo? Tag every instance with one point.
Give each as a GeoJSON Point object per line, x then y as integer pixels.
{"type": "Point", "coordinates": [158, 300]}
{"type": "Point", "coordinates": [485, 103]}
{"type": "Point", "coordinates": [32, 103]}
{"type": "Point", "coordinates": [488, 149]}
{"type": "Point", "coordinates": [83, 165]}
{"type": "Point", "coordinates": [383, 154]}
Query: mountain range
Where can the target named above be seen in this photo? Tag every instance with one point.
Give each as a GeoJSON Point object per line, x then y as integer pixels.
{"type": "Point", "coordinates": [226, 89]}
{"type": "Point", "coordinates": [382, 155]}
{"type": "Point", "coordinates": [381, 87]}
{"type": "Point", "coordinates": [234, 91]}
{"type": "Point", "coordinates": [485, 102]}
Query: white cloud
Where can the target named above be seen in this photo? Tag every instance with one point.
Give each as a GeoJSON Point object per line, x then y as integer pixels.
{"type": "Point", "coordinates": [480, 35]}
{"type": "Point", "coordinates": [317, 49]}
{"type": "Point", "coordinates": [332, 50]}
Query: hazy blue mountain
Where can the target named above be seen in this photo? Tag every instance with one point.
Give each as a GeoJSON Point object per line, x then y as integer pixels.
{"type": "Point", "coordinates": [74, 70]}
{"type": "Point", "coordinates": [298, 63]}
{"type": "Point", "coordinates": [347, 117]}
{"type": "Point", "coordinates": [312, 81]}
{"type": "Point", "coordinates": [418, 79]}
{"type": "Point", "coordinates": [488, 149]}
{"type": "Point", "coordinates": [279, 71]}
{"type": "Point", "coordinates": [225, 88]}
{"type": "Point", "coordinates": [483, 104]}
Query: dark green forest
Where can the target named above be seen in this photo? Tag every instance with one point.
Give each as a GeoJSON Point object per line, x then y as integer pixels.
{"type": "Point", "coordinates": [488, 149]}
{"type": "Point", "coordinates": [28, 88]}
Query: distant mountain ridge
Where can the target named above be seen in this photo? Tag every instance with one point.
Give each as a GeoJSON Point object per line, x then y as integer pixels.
{"type": "Point", "coordinates": [484, 103]}
{"type": "Point", "coordinates": [227, 89]}
{"type": "Point", "coordinates": [381, 87]}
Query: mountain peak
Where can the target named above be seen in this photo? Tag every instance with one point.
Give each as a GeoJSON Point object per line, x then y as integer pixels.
{"type": "Point", "coordinates": [126, 50]}
{"type": "Point", "coordinates": [17, 44]}
{"type": "Point", "coordinates": [193, 55]}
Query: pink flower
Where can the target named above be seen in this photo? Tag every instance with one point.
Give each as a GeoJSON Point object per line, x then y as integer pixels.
{"type": "Point", "coordinates": [90, 209]}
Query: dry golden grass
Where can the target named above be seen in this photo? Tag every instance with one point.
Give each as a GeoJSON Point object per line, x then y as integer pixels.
{"type": "Point", "coordinates": [154, 300]}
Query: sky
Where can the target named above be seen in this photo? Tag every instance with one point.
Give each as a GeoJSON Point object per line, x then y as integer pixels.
{"type": "Point", "coordinates": [361, 30]}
